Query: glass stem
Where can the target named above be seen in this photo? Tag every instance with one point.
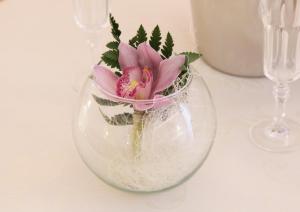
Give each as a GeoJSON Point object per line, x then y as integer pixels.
{"type": "Point", "coordinates": [281, 93]}
{"type": "Point", "coordinates": [93, 42]}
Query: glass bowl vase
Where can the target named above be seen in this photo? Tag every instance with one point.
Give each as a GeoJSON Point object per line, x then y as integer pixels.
{"type": "Point", "coordinates": [145, 151]}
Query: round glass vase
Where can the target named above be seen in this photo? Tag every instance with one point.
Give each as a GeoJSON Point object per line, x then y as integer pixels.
{"type": "Point", "coordinates": [145, 151]}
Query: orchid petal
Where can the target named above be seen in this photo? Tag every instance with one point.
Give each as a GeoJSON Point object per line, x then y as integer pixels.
{"type": "Point", "coordinates": [143, 90]}
{"type": "Point", "coordinates": [157, 102]}
{"type": "Point", "coordinates": [148, 57]}
{"type": "Point", "coordinates": [169, 70]}
{"type": "Point", "coordinates": [143, 106]}
{"type": "Point", "coordinates": [105, 78]}
{"type": "Point", "coordinates": [134, 73]}
{"type": "Point", "coordinates": [128, 56]}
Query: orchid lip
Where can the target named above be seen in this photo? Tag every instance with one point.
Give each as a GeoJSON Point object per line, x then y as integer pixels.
{"type": "Point", "coordinates": [149, 101]}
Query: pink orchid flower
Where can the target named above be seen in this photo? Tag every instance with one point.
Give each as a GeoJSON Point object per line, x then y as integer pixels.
{"type": "Point", "coordinates": [144, 74]}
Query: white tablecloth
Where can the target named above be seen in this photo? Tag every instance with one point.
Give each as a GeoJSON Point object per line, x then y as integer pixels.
{"type": "Point", "coordinates": [40, 169]}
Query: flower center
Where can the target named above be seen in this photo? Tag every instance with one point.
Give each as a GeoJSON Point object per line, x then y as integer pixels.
{"type": "Point", "coordinates": [132, 85]}
{"type": "Point", "coordinates": [146, 69]}
{"type": "Point", "coordinates": [146, 74]}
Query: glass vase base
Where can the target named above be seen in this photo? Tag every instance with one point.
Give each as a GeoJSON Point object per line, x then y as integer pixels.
{"type": "Point", "coordinates": [265, 137]}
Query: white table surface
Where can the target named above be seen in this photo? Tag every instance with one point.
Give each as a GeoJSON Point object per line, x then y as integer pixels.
{"type": "Point", "coordinates": [40, 169]}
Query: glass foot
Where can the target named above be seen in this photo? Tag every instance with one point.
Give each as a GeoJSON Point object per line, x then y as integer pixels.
{"type": "Point", "coordinates": [274, 139]}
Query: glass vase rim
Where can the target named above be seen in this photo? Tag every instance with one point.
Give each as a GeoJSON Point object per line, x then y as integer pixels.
{"type": "Point", "coordinates": [116, 98]}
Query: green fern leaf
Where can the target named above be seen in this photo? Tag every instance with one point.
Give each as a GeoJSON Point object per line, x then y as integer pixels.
{"type": "Point", "coordinates": [105, 102]}
{"type": "Point", "coordinates": [167, 49]}
{"type": "Point", "coordinates": [113, 45]}
{"type": "Point", "coordinates": [155, 39]}
{"type": "Point", "coordinates": [115, 31]}
{"type": "Point", "coordinates": [141, 35]}
{"type": "Point", "coordinates": [110, 58]}
{"type": "Point", "coordinates": [118, 73]}
{"type": "Point", "coordinates": [191, 56]}
{"type": "Point", "coordinates": [118, 120]}
{"type": "Point", "coordinates": [133, 41]}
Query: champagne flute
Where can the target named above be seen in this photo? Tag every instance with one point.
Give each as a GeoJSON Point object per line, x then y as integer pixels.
{"type": "Point", "coordinates": [91, 17]}
{"type": "Point", "coordinates": [281, 21]}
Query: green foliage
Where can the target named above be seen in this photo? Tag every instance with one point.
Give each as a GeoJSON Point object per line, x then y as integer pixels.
{"type": "Point", "coordinates": [168, 91]}
{"type": "Point", "coordinates": [110, 58]}
{"type": "Point", "coordinates": [113, 45]}
{"type": "Point", "coordinates": [191, 56]}
{"type": "Point", "coordinates": [140, 37]}
{"type": "Point", "coordinates": [118, 120]}
{"type": "Point", "coordinates": [167, 49]}
{"type": "Point", "coordinates": [155, 39]}
{"type": "Point", "coordinates": [184, 74]}
{"type": "Point", "coordinates": [133, 41]}
{"type": "Point", "coordinates": [115, 31]}
{"type": "Point", "coordinates": [105, 102]}
{"type": "Point", "coordinates": [118, 73]}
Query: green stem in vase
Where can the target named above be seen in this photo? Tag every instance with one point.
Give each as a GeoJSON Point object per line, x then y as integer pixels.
{"type": "Point", "coordinates": [136, 133]}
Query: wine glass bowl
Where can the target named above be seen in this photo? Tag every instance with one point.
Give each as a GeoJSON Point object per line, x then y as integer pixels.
{"type": "Point", "coordinates": [90, 15]}
{"type": "Point", "coordinates": [281, 21]}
